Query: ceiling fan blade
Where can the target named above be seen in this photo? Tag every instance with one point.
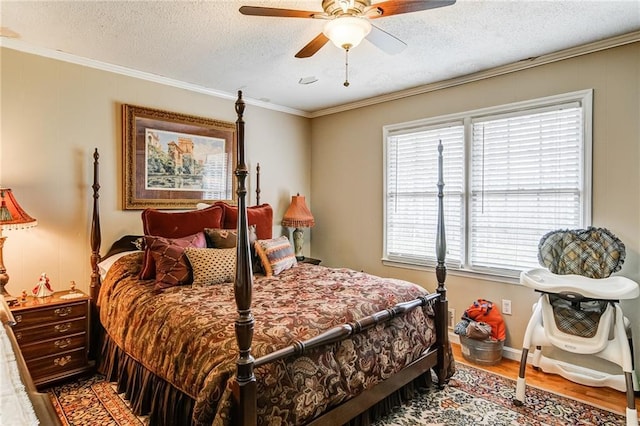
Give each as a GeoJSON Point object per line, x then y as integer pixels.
{"type": "Point", "coordinates": [386, 42]}
{"type": "Point", "coordinates": [313, 46]}
{"type": "Point", "coordinates": [272, 11]}
{"type": "Point", "coordinates": [396, 7]}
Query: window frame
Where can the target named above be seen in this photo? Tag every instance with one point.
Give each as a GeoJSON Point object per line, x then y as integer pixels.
{"type": "Point", "coordinates": [585, 100]}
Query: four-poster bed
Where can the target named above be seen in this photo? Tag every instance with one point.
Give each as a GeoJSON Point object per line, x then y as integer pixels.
{"type": "Point", "coordinates": [180, 354]}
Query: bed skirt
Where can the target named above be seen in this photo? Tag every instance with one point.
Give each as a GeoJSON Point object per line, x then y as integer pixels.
{"type": "Point", "coordinates": [147, 393]}
{"type": "Point", "coordinates": [150, 395]}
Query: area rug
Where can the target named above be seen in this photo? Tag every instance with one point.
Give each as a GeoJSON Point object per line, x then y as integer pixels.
{"type": "Point", "coordinates": [472, 397]}
{"type": "Point", "coordinates": [476, 397]}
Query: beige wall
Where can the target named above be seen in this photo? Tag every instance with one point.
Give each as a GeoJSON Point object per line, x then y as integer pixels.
{"type": "Point", "coordinates": [347, 168]}
{"type": "Point", "coordinates": [55, 113]}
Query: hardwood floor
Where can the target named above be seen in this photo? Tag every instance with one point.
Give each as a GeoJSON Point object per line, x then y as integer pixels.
{"type": "Point", "coordinates": [608, 398]}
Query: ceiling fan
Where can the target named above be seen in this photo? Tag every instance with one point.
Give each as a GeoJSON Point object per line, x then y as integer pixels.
{"type": "Point", "coordinates": [348, 22]}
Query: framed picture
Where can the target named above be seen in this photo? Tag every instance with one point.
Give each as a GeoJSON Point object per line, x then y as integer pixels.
{"type": "Point", "coordinates": [174, 161]}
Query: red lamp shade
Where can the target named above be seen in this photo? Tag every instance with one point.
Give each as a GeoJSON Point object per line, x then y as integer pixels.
{"type": "Point", "coordinates": [298, 214]}
{"type": "Point", "coordinates": [12, 216]}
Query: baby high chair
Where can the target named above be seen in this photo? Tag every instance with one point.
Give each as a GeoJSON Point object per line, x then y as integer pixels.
{"type": "Point", "coordinates": [579, 310]}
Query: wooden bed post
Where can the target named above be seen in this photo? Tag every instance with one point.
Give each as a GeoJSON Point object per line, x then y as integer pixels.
{"type": "Point", "coordinates": [245, 384]}
{"type": "Point", "coordinates": [258, 184]}
{"type": "Point", "coordinates": [96, 240]}
{"type": "Point", "coordinates": [442, 307]}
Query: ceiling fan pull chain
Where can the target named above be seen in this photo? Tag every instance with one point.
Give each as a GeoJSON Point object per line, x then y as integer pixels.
{"type": "Point", "coordinates": [346, 68]}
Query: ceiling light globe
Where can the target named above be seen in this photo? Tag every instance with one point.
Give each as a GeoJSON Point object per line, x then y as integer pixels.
{"type": "Point", "coordinates": [347, 32]}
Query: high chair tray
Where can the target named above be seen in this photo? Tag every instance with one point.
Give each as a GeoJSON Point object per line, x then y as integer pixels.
{"type": "Point", "coordinates": [611, 288]}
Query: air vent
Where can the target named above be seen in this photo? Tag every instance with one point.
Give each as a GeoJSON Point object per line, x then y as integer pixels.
{"type": "Point", "coordinates": [307, 80]}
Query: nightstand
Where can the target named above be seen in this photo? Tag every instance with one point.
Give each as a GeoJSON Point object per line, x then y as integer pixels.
{"type": "Point", "coordinates": [53, 335]}
{"type": "Point", "coordinates": [310, 260]}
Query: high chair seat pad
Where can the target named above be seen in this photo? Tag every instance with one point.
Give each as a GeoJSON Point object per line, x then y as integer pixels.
{"type": "Point", "coordinates": [592, 252]}
{"type": "Point", "coordinates": [611, 288]}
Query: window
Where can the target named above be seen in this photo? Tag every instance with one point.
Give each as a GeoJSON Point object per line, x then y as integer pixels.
{"type": "Point", "coordinates": [512, 173]}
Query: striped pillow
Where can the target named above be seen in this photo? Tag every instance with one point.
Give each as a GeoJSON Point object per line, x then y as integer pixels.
{"type": "Point", "coordinates": [276, 255]}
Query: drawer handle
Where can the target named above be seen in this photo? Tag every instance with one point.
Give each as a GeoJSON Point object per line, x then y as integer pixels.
{"type": "Point", "coordinates": [63, 312]}
{"type": "Point", "coordinates": [61, 328]}
{"type": "Point", "coordinates": [18, 336]}
{"type": "Point", "coordinates": [62, 361]}
{"type": "Point", "coordinates": [18, 318]}
{"type": "Point", "coordinates": [63, 343]}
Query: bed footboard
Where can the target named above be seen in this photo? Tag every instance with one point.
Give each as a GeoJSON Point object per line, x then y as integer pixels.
{"type": "Point", "coordinates": [244, 385]}
{"type": "Point", "coordinates": [345, 331]}
{"type": "Point", "coordinates": [445, 362]}
{"type": "Point", "coordinates": [363, 402]}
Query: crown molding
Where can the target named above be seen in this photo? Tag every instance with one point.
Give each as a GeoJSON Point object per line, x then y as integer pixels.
{"type": "Point", "coordinates": [21, 46]}
{"type": "Point", "coordinates": [560, 55]}
{"type": "Point", "coordinates": [527, 63]}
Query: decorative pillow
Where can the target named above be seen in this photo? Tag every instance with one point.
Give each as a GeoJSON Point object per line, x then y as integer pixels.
{"type": "Point", "coordinates": [261, 216]}
{"type": "Point", "coordinates": [175, 225]}
{"type": "Point", "coordinates": [227, 238]}
{"type": "Point", "coordinates": [181, 224]}
{"type": "Point", "coordinates": [212, 265]}
{"type": "Point", "coordinates": [171, 263]}
{"type": "Point", "coordinates": [276, 255]}
{"type": "Point", "coordinates": [592, 252]}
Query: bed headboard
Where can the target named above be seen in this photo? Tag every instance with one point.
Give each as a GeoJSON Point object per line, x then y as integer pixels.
{"type": "Point", "coordinates": [243, 285]}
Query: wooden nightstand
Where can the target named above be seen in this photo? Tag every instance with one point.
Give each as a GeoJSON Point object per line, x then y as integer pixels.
{"type": "Point", "coordinates": [53, 336]}
{"type": "Point", "coordinates": [310, 260]}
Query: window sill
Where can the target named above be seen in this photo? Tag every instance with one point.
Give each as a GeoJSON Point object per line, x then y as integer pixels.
{"type": "Point", "coordinates": [458, 272]}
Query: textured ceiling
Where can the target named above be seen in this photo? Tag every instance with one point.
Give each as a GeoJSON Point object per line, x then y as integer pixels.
{"type": "Point", "coordinates": [211, 45]}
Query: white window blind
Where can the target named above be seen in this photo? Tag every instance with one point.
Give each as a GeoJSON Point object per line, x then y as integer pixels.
{"type": "Point", "coordinates": [512, 173]}
{"type": "Point", "coordinates": [412, 194]}
{"type": "Point", "coordinates": [526, 180]}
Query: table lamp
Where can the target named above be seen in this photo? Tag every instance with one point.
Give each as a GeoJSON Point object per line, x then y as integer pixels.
{"type": "Point", "coordinates": [12, 216]}
{"type": "Point", "coordinates": [298, 216]}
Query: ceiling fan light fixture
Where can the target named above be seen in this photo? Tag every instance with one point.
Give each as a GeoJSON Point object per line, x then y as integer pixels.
{"type": "Point", "coordinates": [345, 5]}
{"type": "Point", "coordinates": [346, 32]}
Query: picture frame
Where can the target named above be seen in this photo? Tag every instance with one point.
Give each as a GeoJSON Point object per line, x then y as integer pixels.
{"type": "Point", "coordinates": [174, 161]}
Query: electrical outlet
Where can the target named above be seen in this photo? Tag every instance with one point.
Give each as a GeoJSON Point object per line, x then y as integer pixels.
{"type": "Point", "coordinates": [452, 318]}
{"type": "Point", "coordinates": [506, 306]}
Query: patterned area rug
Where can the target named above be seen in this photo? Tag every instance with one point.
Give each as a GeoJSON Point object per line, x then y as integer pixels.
{"type": "Point", "coordinates": [473, 397]}
{"type": "Point", "coordinates": [92, 402]}
{"type": "Point", "coordinates": [477, 397]}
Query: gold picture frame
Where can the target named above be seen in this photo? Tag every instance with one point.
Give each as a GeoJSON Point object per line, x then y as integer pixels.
{"type": "Point", "coordinates": [174, 161]}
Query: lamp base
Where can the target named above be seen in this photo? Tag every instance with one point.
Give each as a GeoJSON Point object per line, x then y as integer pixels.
{"type": "Point", "coordinates": [4, 278]}
{"type": "Point", "coordinates": [298, 241]}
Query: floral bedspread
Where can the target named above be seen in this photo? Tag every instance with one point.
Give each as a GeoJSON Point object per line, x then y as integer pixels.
{"type": "Point", "coordinates": [186, 336]}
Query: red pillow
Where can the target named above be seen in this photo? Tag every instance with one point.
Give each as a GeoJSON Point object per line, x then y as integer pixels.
{"type": "Point", "coordinates": [261, 216]}
{"type": "Point", "coordinates": [171, 263]}
{"type": "Point", "coordinates": [176, 225]}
